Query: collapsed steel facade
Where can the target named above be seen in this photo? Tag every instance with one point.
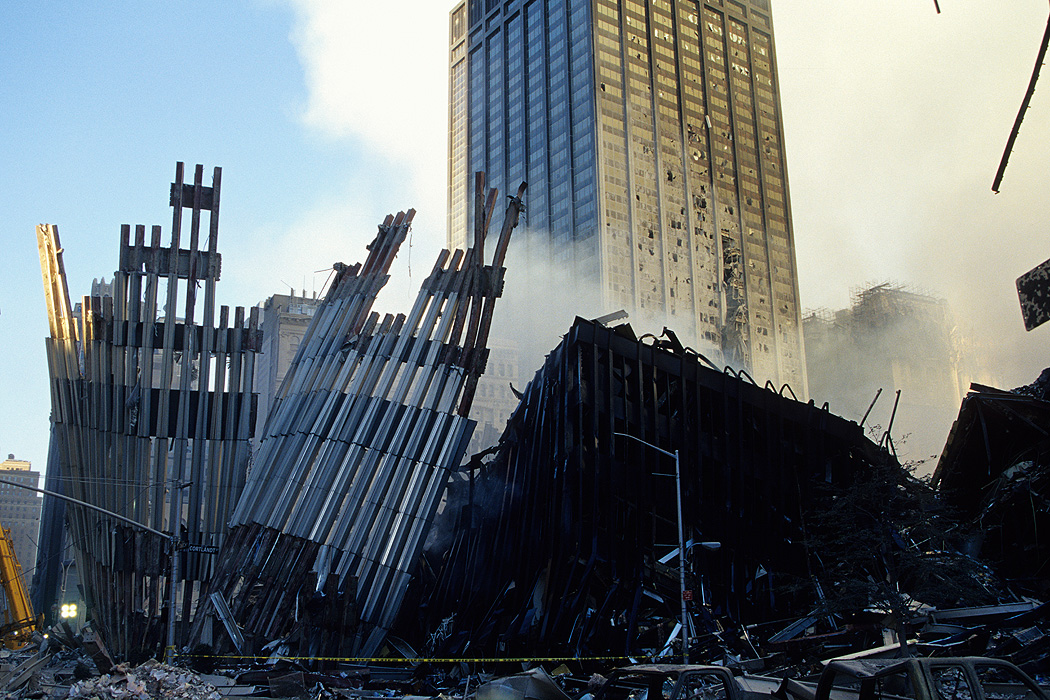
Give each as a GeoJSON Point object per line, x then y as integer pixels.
{"type": "Point", "coordinates": [566, 542]}
{"type": "Point", "coordinates": [995, 472]}
{"type": "Point", "coordinates": [357, 450]}
{"type": "Point", "coordinates": [153, 412]}
{"type": "Point", "coordinates": [151, 416]}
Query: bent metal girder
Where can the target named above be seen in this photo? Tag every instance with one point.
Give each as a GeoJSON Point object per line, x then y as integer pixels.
{"type": "Point", "coordinates": [357, 449]}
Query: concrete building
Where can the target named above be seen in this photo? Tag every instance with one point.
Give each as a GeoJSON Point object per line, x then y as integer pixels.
{"type": "Point", "coordinates": [495, 401]}
{"type": "Point", "coordinates": [20, 510]}
{"type": "Point", "coordinates": [285, 318]}
{"type": "Point", "coordinates": [891, 338]}
{"type": "Point", "coordinates": [651, 138]}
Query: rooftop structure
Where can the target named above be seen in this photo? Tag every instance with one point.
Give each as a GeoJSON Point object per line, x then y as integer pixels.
{"type": "Point", "coordinates": [890, 338]}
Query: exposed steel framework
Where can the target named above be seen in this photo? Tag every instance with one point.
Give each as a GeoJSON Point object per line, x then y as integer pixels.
{"type": "Point", "coordinates": [152, 411]}
{"type": "Point", "coordinates": [566, 542]}
{"type": "Point", "coordinates": [358, 447]}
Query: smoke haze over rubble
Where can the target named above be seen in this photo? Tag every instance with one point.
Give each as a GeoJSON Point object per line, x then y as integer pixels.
{"type": "Point", "coordinates": [895, 120]}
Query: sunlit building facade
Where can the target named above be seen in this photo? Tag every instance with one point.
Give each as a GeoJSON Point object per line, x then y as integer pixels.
{"type": "Point", "coordinates": [20, 509]}
{"type": "Point", "coordinates": [614, 111]}
{"type": "Point", "coordinates": [285, 319]}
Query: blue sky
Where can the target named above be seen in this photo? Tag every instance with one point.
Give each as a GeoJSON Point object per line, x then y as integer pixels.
{"type": "Point", "coordinates": [327, 114]}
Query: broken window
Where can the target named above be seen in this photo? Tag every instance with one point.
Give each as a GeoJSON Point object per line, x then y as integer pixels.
{"type": "Point", "coordinates": [950, 683]}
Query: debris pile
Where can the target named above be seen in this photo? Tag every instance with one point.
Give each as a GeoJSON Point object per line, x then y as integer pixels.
{"type": "Point", "coordinates": [995, 471]}
{"type": "Point", "coordinates": [150, 681]}
{"type": "Point", "coordinates": [642, 502]}
{"type": "Point", "coordinates": [583, 491]}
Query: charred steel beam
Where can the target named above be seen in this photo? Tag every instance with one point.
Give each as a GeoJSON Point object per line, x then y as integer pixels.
{"type": "Point", "coordinates": [367, 425]}
{"type": "Point", "coordinates": [1024, 108]}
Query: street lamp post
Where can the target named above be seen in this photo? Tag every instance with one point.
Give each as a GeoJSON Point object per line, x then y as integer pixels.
{"type": "Point", "coordinates": [93, 507]}
{"type": "Point", "coordinates": [681, 539]}
{"type": "Point", "coordinates": [177, 522]}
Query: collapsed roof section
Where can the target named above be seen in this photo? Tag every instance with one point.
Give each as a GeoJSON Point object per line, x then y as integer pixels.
{"type": "Point", "coordinates": [567, 541]}
{"type": "Point", "coordinates": [151, 410]}
{"type": "Point", "coordinates": [356, 452]}
{"type": "Point", "coordinates": [995, 470]}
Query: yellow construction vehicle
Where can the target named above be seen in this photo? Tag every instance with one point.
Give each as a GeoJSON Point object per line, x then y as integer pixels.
{"type": "Point", "coordinates": [19, 620]}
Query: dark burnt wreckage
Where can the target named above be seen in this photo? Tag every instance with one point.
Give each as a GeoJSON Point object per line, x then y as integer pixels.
{"type": "Point", "coordinates": [995, 472]}
{"type": "Point", "coordinates": [566, 541]}
{"type": "Point", "coordinates": [357, 450]}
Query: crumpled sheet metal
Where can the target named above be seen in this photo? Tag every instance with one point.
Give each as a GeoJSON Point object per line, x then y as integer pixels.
{"type": "Point", "coordinates": [533, 684]}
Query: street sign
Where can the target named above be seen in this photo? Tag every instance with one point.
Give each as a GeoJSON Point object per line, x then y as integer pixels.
{"type": "Point", "coordinates": [201, 548]}
{"type": "Point", "coordinates": [1033, 289]}
{"type": "Point", "coordinates": [687, 595]}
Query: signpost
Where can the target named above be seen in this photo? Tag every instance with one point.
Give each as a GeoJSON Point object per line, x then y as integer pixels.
{"type": "Point", "coordinates": [1033, 289]}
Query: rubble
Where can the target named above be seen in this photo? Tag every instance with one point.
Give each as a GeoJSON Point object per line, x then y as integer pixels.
{"type": "Point", "coordinates": [533, 684]}
{"type": "Point", "coordinates": [590, 516]}
{"type": "Point", "coordinates": [150, 681]}
{"type": "Point", "coordinates": [564, 539]}
{"type": "Point", "coordinates": [995, 471]}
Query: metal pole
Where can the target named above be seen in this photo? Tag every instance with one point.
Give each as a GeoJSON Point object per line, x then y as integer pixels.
{"type": "Point", "coordinates": [681, 559]}
{"type": "Point", "coordinates": [116, 516]}
{"type": "Point", "coordinates": [177, 498]}
{"type": "Point", "coordinates": [89, 506]}
{"type": "Point", "coordinates": [171, 595]}
{"type": "Point", "coordinates": [681, 539]}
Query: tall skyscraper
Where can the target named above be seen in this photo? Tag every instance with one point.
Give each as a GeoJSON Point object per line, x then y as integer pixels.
{"type": "Point", "coordinates": [614, 112]}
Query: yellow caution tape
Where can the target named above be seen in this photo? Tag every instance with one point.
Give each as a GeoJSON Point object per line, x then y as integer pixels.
{"type": "Point", "coordinates": [386, 659]}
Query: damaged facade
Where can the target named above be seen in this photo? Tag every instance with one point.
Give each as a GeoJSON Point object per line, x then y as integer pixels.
{"type": "Point", "coordinates": [995, 471]}
{"type": "Point", "coordinates": [566, 541]}
{"type": "Point", "coordinates": [356, 452]}
{"type": "Point", "coordinates": [152, 411]}
{"type": "Point", "coordinates": [153, 415]}
{"type": "Point", "coordinates": [652, 136]}
{"type": "Point", "coordinates": [891, 337]}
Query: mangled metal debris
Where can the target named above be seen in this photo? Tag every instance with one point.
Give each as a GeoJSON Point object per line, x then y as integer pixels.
{"type": "Point", "coordinates": [153, 414]}
{"type": "Point", "coordinates": [995, 471]}
{"type": "Point", "coordinates": [150, 681]}
{"type": "Point", "coordinates": [534, 684]}
{"type": "Point", "coordinates": [590, 518]}
{"type": "Point", "coordinates": [356, 452]}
